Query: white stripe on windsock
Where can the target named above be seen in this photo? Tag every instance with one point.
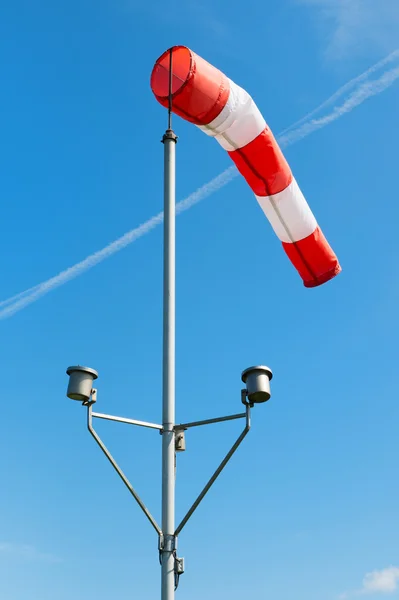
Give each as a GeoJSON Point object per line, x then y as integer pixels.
{"type": "Point", "coordinates": [289, 214]}
{"type": "Point", "coordinates": [239, 123]}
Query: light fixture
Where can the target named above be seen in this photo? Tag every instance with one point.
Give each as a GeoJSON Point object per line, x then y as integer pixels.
{"type": "Point", "coordinates": [257, 381]}
{"type": "Point", "coordinates": [80, 383]}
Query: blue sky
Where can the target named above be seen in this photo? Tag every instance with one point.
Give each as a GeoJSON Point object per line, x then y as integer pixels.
{"type": "Point", "coordinates": [308, 507]}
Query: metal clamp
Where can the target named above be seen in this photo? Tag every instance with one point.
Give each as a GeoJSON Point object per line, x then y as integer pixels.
{"type": "Point", "coordinates": [167, 543]}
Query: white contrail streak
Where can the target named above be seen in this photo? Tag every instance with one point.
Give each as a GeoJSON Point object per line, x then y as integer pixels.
{"type": "Point", "coordinates": [345, 88]}
{"type": "Point", "coordinates": [16, 303]}
{"type": "Point", "coordinates": [32, 294]}
{"type": "Point", "coordinates": [362, 93]}
{"type": "Point", "coordinates": [24, 293]}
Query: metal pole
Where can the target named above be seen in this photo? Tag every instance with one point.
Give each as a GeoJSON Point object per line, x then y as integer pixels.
{"type": "Point", "coordinates": [167, 547]}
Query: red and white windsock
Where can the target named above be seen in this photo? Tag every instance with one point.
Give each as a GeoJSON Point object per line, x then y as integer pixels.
{"type": "Point", "coordinates": [204, 96]}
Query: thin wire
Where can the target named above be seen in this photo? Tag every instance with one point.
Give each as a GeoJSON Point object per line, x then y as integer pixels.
{"type": "Point", "coordinates": [170, 89]}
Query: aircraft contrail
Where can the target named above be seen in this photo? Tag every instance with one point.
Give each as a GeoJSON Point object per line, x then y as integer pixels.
{"type": "Point", "coordinates": [363, 92]}
{"type": "Point", "coordinates": [19, 295]}
{"type": "Point", "coordinates": [366, 90]}
{"type": "Point", "coordinates": [19, 301]}
{"type": "Point", "coordinates": [345, 88]}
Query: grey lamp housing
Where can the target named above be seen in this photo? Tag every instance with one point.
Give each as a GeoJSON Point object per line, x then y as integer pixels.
{"type": "Point", "coordinates": [80, 382]}
{"type": "Point", "coordinates": [257, 381]}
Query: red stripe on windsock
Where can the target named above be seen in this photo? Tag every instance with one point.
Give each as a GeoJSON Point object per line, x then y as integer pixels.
{"type": "Point", "coordinates": [313, 258]}
{"type": "Point", "coordinates": [199, 90]}
{"type": "Point", "coordinates": [263, 165]}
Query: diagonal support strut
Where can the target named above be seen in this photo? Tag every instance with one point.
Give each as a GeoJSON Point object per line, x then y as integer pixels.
{"type": "Point", "coordinates": [220, 468]}
{"type": "Point", "coordinates": [119, 470]}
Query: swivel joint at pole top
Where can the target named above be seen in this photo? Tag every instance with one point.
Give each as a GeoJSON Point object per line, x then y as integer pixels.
{"type": "Point", "coordinates": [169, 135]}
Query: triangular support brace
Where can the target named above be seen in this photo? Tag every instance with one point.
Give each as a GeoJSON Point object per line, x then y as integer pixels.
{"type": "Point", "coordinates": [201, 496]}
{"type": "Point", "coordinates": [107, 453]}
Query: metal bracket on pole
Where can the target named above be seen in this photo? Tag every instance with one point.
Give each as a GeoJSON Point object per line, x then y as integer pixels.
{"type": "Point", "coordinates": [121, 474]}
{"type": "Point", "coordinates": [96, 415]}
{"type": "Point", "coordinates": [183, 426]}
{"type": "Point", "coordinates": [224, 462]}
{"type": "Point", "coordinates": [167, 543]}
